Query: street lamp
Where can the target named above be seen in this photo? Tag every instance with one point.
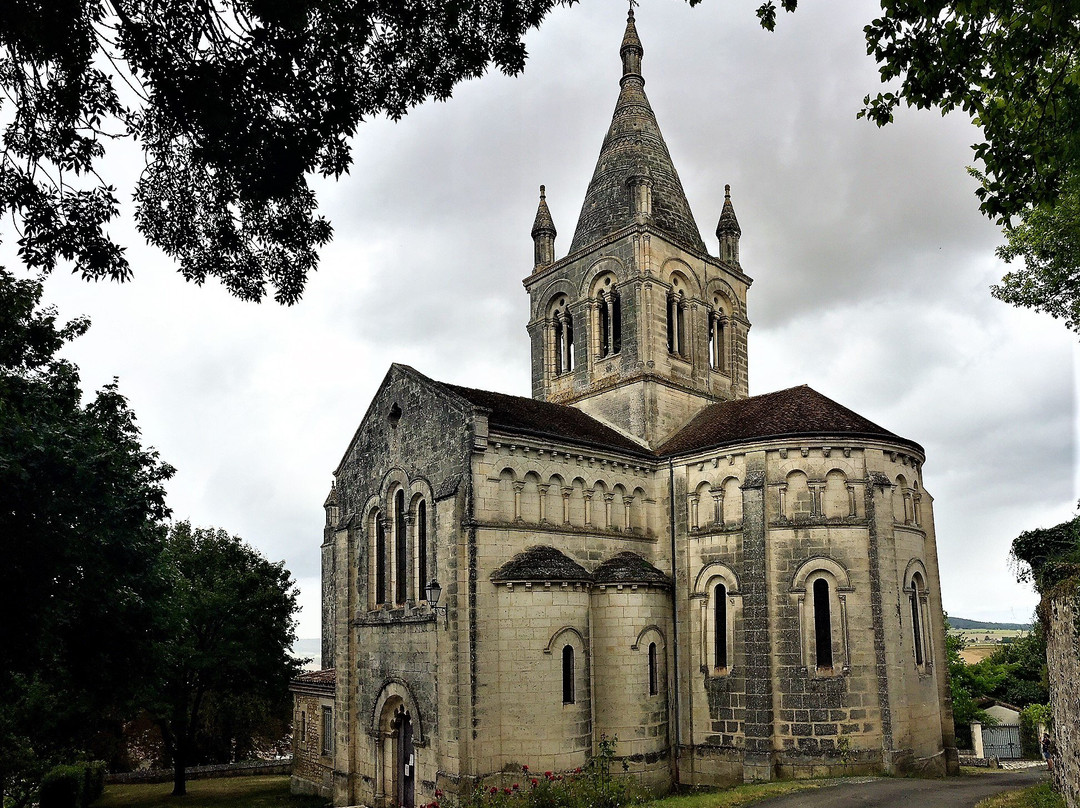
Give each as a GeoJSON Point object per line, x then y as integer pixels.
{"type": "Point", "coordinates": [432, 592]}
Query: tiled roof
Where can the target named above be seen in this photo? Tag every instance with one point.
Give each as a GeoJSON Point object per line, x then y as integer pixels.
{"type": "Point", "coordinates": [527, 416]}
{"type": "Point", "coordinates": [325, 676]}
{"type": "Point", "coordinates": [541, 563]}
{"type": "Point", "coordinates": [634, 146]}
{"type": "Point", "coordinates": [629, 568]}
{"type": "Point", "coordinates": [795, 412]}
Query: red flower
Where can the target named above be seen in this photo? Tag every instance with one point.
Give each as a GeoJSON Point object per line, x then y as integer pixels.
{"type": "Point", "coordinates": [525, 768]}
{"type": "Point", "coordinates": [438, 791]}
{"type": "Point", "coordinates": [493, 790]}
{"type": "Point", "coordinates": [434, 804]}
{"type": "Point", "coordinates": [577, 770]}
{"type": "Point", "coordinates": [547, 775]}
{"type": "Point", "coordinates": [516, 786]}
{"type": "Point", "coordinates": [534, 781]}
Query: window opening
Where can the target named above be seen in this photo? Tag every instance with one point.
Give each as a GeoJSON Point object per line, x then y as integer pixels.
{"type": "Point", "coordinates": [916, 622]}
{"type": "Point", "coordinates": [822, 625]}
{"type": "Point", "coordinates": [421, 546]}
{"type": "Point", "coordinates": [327, 730]}
{"type": "Point", "coordinates": [380, 562]}
{"type": "Point", "coordinates": [568, 674]}
{"type": "Point", "coordinates": [720, 659]}
{"type": "Point", "coordinates": [400, 548]}
{"type": "Point", "coordinates": [654, 678]}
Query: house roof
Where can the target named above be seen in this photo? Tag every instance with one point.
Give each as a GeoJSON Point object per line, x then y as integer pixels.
{"type": "Point", "coordinates": [527, 416]}
{"type": "Point", "coordinates": [629, 568]}
{"type": "Point", "coordinates": [792, 413]}
{"type": "Point", "coordinates": [541, 563]}
{"type": "Point", "coordinates": [325, 676]}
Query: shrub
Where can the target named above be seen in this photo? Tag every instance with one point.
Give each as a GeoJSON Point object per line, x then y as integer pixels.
{"type": "Point", "coordinates": [74, 786]}
{"type": "Point", "coordinates": [62, 787]}
{"type": "Point", "coordinates": [591, 787]}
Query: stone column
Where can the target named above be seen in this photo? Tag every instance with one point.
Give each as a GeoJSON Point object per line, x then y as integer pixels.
{"type": "Point", "coordinates": [542, 490]}
{"type": "Point", "coordinates": [566, 492]}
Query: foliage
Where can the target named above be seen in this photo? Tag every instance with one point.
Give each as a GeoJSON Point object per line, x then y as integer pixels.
{"type": "Point", "coordinates": [1031, 718]}
{"type": "Point", "coordinates": [1024, 661]}
{"type": "Point", "coordinates": [1047, 238]}
{"type": "Point", "coordinates": [966, 684]}
{"type": "Point", "coordinates": [236, 104]}
{"type": "Point", "coordinates": [1048, 555]}
{"type": "Point", "coordinates": [225, 630]}
{"type": "Point", "coordinates": [1013, 66]}
{"type": "Point", "coordinates": [264, 791]}
{"type": "Point", "coordinates": [81, 509]}
{"type": "Point", "coordinates": [74, 786]}
{"type": "Point", "coordinates": [62, 787]}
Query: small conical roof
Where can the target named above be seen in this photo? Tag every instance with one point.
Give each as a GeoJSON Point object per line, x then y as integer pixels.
{"type": "Point", "coordinates": [728, 224]}
{"type": "Point", "coordinates": [543, 222]}
{"type": "Point", "coordinates": [634, 141]}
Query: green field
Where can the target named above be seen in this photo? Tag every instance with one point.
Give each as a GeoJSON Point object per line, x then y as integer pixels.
{"type": "Point", "coordinates": [270, 791]}
{"type": "Point", "coordinates": [974, 636]}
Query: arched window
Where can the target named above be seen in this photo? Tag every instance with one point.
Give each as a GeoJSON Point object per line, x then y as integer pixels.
{"type": "Point", "coordinates": [718, 340]}
{"type": "Point", "coordinates": [421, 547]}
{"type": "Point", "coordinates": [822, 625]}
{"type": "Point", "coordinates": [654, 671]}
{"type": "Point", "coordinates": [610, 323]}
{"type": "Point", "coordinates": [720, 655]}
{"type": "Point", "coordinates": [563, 337]}
{"type": "Point", "coordinates": [676, 325]}
{"type": "Point", "coordinates": [380, 561]}
{"type": "Point", "coordinates": [568, 674]}
{"type": "Point", "coordinates": [917, 629]}
{"type": "Point", "coordinates": [401, 568]}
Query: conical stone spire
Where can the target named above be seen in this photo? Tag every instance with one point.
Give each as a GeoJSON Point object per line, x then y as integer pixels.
{"type": "Point", "coordinates": [728, 224]}
{"type": "Point", "coordinates": [728, 230]}
{"type": "Point", "coordinates": [634, 142]}
{"type": "Point", "coordinates": [543, 234]}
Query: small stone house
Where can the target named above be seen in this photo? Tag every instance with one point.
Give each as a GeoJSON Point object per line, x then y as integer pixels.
{"type": "Point", "coordinates": [736, 587]}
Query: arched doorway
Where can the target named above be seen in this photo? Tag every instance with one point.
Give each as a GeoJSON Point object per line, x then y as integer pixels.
{"type": "Point", "coordinates": [397, 766]}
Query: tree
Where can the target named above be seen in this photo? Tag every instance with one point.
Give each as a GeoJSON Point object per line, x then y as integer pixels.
{"type": "Point", "coordinates": [1013, 66]}
{"type": "Point", "coordinates": [81, 510]}
{"type": "Point", "coordinates": [236, 104]}
{"type": "Point", "coordinates": [227, 624]}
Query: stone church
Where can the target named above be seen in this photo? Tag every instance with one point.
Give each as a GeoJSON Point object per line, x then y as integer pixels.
{"type": "Point", "coordinates": [736, 587]}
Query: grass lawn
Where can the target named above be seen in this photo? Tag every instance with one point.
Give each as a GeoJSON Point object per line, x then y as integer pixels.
{"type": "Point", "coordinates": [737, 796]}
{"type": "Point", "coordinates": [273, 792]}
{"type": "Point", "coordinates": [270, 791]}
{"type": "Point", "coordinates": [1040, 796]}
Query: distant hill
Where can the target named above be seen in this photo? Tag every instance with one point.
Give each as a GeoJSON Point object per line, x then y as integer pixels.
{"type": "Point", "coordinates": [960, 622]}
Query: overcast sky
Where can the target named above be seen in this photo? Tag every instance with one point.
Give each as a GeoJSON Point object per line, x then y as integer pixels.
{"type": "Point", "coordinates": [871, 267]}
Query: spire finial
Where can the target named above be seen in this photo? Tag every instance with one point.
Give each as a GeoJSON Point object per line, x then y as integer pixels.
{"type": "Point", "coordinates": [631, 50]}
{"type": "Point", "coordinates": [542, 195]}
{"type": "Point", "coordinates": [727, 191]}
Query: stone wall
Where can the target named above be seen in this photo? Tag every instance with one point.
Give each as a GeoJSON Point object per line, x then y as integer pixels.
{"type": "Point", "coordinates": [1062, 610]}
{"type": "Point", "coordinates": [312, 765]}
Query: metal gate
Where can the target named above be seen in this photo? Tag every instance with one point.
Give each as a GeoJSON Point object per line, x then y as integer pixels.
{"type": "Point", "coordinates": [1001, 742]}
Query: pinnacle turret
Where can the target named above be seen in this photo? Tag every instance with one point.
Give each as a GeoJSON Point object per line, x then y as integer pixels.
{"type": "Point", "coordinates": [543, 233]}
{"type": "Point", "coordinates": [728, 230]}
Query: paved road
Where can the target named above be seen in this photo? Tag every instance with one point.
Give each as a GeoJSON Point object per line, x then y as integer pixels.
{"type": "Point", "coordinates": [886, 792]}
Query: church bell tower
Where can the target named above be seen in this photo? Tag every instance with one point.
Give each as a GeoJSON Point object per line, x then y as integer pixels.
{"type": "Point", "coordinates": [637, 325]}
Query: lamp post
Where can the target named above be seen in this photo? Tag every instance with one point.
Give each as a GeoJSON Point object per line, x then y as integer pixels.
{"type": "Point", "coordinates": [433, 592]}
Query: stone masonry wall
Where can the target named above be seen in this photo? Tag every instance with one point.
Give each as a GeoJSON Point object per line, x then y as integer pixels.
{"type": "Point", "coordinates": [1062, 609]}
